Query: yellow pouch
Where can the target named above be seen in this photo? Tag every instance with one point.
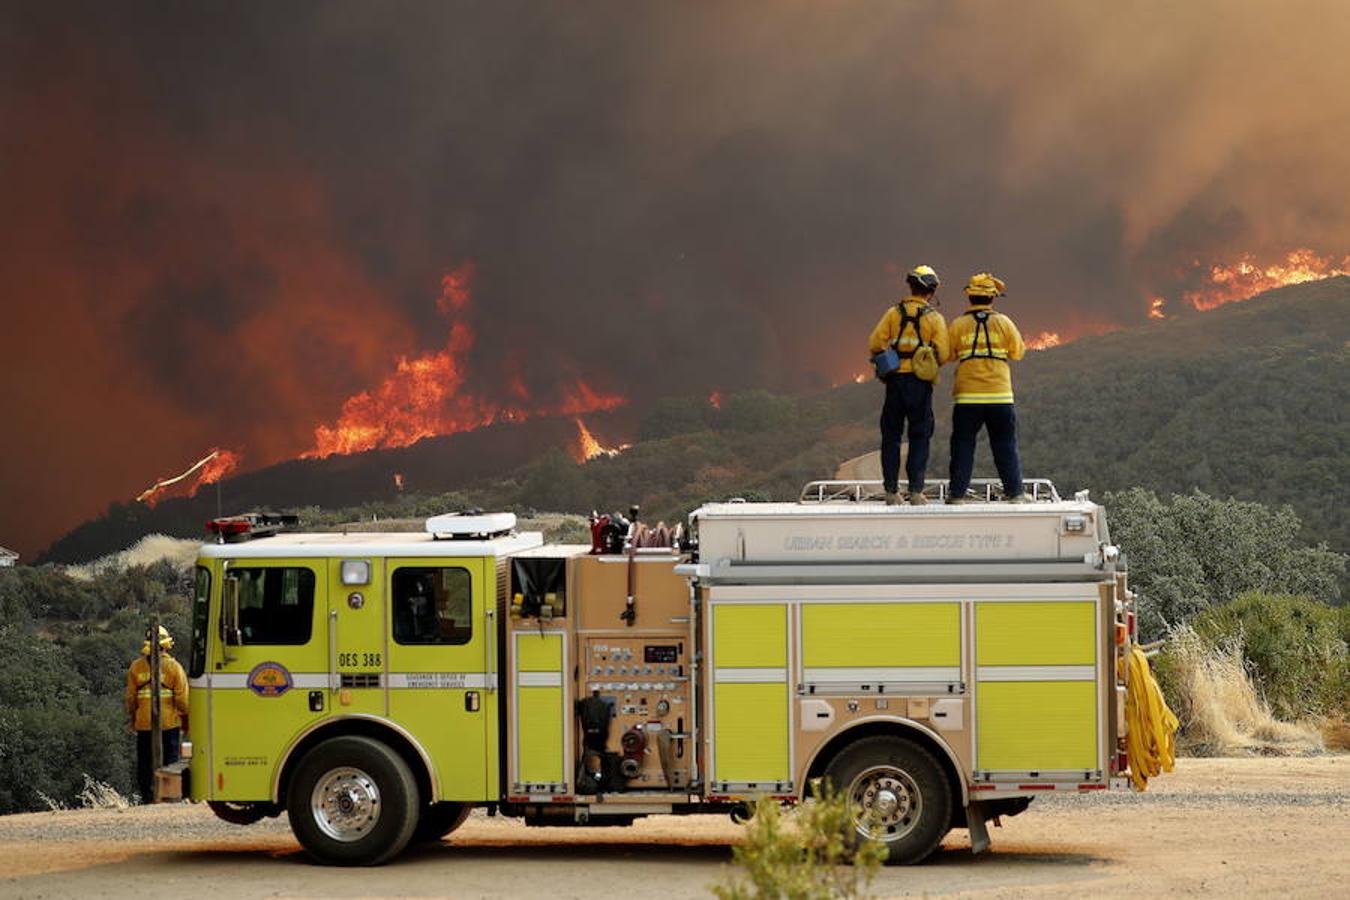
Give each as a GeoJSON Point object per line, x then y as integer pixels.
{"type": "Point", "coordinates": [925, 364]}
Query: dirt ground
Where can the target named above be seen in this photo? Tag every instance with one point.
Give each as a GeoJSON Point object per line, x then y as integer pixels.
{"type": "Point", "coordinates": [1254, 827]}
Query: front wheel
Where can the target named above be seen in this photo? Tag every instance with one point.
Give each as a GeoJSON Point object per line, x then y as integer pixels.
{"type": "Point", "coordinates": [353, 802]}
{"type": "Point", "coordinates": [897, 794]}
{"type": "Point", "coordinates": [439, 819]}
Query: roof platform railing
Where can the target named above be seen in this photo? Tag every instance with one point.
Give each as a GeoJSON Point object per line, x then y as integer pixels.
{"type": "Point", "coordinates": [982, 490]}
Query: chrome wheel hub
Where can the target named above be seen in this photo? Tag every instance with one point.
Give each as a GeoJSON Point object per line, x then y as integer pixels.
{"type": "Point", "coordinates": [345, 804]}
{"type": "Point", "coordinates": [885, 802]}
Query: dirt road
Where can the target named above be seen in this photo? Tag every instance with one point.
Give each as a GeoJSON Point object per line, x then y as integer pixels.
{"type": "Point", "coordinates": [1230, 827]}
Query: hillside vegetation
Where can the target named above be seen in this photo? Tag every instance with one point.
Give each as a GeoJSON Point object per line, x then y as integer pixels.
{"type": "Point", "coordinates": [1249, 400]}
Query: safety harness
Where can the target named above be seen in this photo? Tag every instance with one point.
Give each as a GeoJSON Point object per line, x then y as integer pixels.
{"type": "Point", "coordinates": [906, 318]}
{"type": "Point", "coordinates": [981, 317]}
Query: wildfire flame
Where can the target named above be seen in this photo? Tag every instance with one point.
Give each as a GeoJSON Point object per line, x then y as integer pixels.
{"type": "Point", "coordinates": [1155, 308]}
{"type": "Point", "coordinates": [1045, 340]}
{"type": "Point", "coordinates": [715, 399]}
{"type": "Point", "coordinates": [424, 397]}
{"type": "Point", "coordinates": [208, 470]}
{"type": "Point", "coordinates": [398, 481]}
{"type": "Point", "coordinates": [589, 448]}
{"type": "Point", "coordinates": [1246, 277]}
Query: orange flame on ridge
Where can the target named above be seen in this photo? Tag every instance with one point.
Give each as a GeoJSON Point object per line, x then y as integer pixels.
{"type": "Point", "coordinates": [589, 448]}
{"type": "Point", "coordinates": [423, 397]}
{"type": "Point", "coordinates": [209, 469]}
{"type": "Point", "coordinates": [1246, 277]}
{"type": "Point", "coordinates": [1155, 308]}
{"type": "Point", "coordinates": [1045, 340]}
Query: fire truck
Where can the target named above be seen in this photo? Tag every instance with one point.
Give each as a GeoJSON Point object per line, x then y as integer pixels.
{"type": "Point", "coordinates": [940, 665]}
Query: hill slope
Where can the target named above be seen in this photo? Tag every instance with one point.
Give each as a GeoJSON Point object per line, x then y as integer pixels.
{"type": "Point", "coordinates": [1248, 400]}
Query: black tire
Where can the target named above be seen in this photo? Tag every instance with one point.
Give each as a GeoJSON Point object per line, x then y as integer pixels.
{"type": "Point", "coordinates": [241, 813]}
{"type": "Point", "coordinates": [439, 819]}
{"type": "Point", "coordinates": [916, 825]}
{"type": "Point", "coordinates": [353, 802]}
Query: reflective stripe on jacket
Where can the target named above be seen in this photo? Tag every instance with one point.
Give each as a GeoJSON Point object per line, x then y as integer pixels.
{"type": "Point", "coordinates": [932, 328]}
{"type": "Point", "coordinates": [986, 378]}
{"type": "Point", "coordinates": [173, 692]}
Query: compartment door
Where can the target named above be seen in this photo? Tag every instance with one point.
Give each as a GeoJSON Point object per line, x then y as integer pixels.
{"type": "Point", "coordinates": [1036, 688]}
{"type": "Point", "coordinates": [540, 719]}
{"type": "Point", "coordinates": [899, 647]}
{"type": "Point", "coordinates": [750, 710]}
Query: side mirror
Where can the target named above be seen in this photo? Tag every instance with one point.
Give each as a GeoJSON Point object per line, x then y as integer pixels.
{"type": "Point", "coordinates": [229, 617]}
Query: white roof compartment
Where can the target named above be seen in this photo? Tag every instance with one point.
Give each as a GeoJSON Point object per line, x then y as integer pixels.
{"type": "Point", "coordinates": [471, 525]}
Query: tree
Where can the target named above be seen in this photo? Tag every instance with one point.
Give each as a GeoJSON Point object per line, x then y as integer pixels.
{"type": "Point", "coordinates": [1193, 551]}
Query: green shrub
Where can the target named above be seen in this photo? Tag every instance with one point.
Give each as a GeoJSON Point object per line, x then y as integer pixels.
{"type": "Point", "coordinates": [1294, 647]}
{"type": "Point", "coordinates": [810, 852]}
{"type": "Point", "coordinates": [1190, 552]}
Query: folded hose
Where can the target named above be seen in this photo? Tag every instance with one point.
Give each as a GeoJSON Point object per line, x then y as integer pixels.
{"type": "Point", "coordinates": [1149, 744]}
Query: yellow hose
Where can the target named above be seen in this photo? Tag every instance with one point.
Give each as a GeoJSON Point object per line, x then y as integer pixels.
{"type": "Point", "coordinates": [1149, 745]}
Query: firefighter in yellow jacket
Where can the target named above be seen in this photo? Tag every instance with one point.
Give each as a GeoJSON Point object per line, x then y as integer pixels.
{"type": "Point", "coordinates": [983, 343]}
{"type": "Point", "coordinates": [910, 324]}
{"type": "Point", "coordinates": [173, 709]}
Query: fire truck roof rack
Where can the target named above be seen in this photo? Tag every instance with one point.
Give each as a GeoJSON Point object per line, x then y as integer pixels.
{"type": "Point", "coordinates": [246, 527]}
{"type": "Point", "coordinates": [983, 490]}
{"type": "Point", "coordinates": [471, 524]}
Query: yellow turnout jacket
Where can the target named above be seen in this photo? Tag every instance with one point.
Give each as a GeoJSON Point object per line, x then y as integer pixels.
{"type": "Point", "coordinates": [981, 356]}
{"type": "Point", "coordinates": [173, 692]}
{"type": "Point", "coordinates": [932, 328]}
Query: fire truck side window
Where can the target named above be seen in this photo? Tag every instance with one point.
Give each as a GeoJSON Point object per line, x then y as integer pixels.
{"type": "Point", "coordinates": [276, 605]}
{"type": "Point", "coordinates": [432, 605]}
{"type": "Point", "coordinates": [201, 613]}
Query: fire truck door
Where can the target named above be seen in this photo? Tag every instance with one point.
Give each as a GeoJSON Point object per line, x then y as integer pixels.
{"type": "Point", "coordinates": [439, 656]}
{"type": "Point", "coordinates": [273, 652]}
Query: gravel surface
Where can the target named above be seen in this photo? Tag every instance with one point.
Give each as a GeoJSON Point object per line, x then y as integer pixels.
{"type": "Point", "coordinates": [1248, 827]}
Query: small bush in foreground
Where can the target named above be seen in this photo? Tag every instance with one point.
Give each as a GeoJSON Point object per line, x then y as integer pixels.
{"type": "Point", "coordinates": [807, 853]}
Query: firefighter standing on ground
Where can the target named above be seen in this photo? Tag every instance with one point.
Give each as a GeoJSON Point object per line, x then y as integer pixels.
{"type": "Point", "coordinates": [173, 709]}
{"type": "Point", "coordinates": [906, 327]}
{"type": "Point", "coordinates": [982, 344]}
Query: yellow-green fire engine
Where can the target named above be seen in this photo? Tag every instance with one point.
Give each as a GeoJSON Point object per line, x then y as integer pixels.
{"type": "Point", "coordinates": [940, 664]}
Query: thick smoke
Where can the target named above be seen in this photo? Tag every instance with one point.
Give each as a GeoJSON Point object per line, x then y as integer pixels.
{"type": "Point", "coordinates": [222, 220]}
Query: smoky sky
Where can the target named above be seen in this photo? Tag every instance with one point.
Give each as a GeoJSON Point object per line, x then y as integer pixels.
{"type": "Point", "coordinates": [219, 220]}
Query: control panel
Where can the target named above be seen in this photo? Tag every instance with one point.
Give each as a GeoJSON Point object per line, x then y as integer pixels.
{"type": "Point", "coordinates": [645, 680]}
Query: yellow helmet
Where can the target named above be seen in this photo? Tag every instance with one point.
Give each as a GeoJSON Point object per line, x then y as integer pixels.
{"type": "Point", "coordinates": [985, 285]}
{"type": "Point", "coordinates": [923, 278]}
{"type": "Point", "coordinates": [165, 642]}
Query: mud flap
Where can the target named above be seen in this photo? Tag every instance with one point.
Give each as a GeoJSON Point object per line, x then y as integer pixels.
{"type": "Point", "coordinates": [979, 833]}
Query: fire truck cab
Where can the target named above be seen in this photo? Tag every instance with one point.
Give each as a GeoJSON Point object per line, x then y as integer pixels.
{"type": "Point", "coordinates": [941, 665]}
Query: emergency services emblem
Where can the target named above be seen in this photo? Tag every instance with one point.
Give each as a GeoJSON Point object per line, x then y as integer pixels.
{"type": "Point", "coordinates": [269, 679]}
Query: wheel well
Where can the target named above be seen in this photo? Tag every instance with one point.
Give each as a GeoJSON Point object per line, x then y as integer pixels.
{"type": "Point", "coordinates": [362, 728]}
{"type": "Point", "coordinates": [836, 745]}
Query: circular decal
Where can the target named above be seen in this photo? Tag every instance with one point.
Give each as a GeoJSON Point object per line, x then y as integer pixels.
{"type": "Point", "coordinates": [269, 679]}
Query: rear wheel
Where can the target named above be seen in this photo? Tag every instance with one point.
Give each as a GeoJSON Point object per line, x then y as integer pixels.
{"type": "Point", "coordinates": [439, 819]}
{"type": "Point", "coordinates": [898, 794]}
{"type": "Point", "coordinates": [353, 802]}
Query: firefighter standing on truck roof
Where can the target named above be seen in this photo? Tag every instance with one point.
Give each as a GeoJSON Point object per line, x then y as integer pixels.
{"type": "Point", "coordinates": [982, 344]}
{"type": "Point", "coordinates": [173, 709]}
{"type": "Point", "coordinates": [913, 328]}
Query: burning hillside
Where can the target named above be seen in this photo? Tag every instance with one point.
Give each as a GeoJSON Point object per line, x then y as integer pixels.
{"type": "Point", "coordinates": [210, 469]}
{"type": "Point", "coordinates": [426, 396]}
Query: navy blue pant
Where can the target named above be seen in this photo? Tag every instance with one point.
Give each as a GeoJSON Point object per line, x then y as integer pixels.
{"type": "Point", "coordinates": [909, 399]}
{"type": "Point", "coordinates": [171, 740]}
{"type": "Point", "coordinates": [1001, 421]}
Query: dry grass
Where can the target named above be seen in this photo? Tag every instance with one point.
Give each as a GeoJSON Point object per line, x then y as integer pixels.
{"type": "Point", "coordinates": [149, 549]}
{"type": "Point", "coordinates": [1221, 712]}
{"type": "Point", "coordinates": [1336, 733]}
